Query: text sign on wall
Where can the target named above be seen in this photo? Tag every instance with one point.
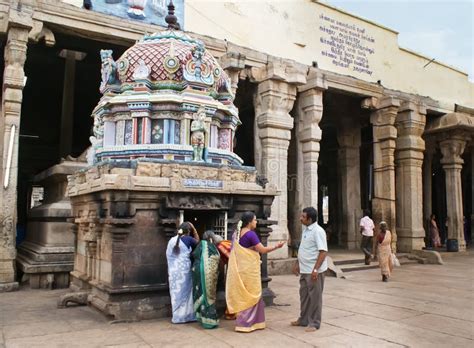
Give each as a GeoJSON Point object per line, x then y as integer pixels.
{"type": "Point", "coordinates": [150, 11]}
{"type": "Point", "coordinates": [346, 45]}
{"type": "Point", "coordinates": [203, 183]}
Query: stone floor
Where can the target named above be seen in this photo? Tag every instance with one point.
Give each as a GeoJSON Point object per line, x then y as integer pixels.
{"type": "Point", "coordinates": [422, 306]}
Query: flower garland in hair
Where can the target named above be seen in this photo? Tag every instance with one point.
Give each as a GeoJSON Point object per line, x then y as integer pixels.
{"type": "Point", "coordinates": [239, 227]}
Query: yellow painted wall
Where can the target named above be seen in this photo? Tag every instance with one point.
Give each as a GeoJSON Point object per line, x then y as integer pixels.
{"type": "Point", "coordinates": [293, 29]}
{"type": "Point", "coordinates": [281, 28]}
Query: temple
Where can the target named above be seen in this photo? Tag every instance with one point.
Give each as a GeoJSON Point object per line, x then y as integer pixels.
{"type": "Point", "coordinates": [202, 119]}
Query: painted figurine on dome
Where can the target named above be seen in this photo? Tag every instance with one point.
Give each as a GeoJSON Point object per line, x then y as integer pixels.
{"type": "Point", "coordinates": [198, 135]}
{"type": "Point", "coordinates": [108, 70]}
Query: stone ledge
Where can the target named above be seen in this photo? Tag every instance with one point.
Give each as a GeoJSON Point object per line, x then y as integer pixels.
{"type": "Point", "coordinates": [285, 267]}
{"type": "Point", "coordinates": [280, 267]}
{"type": "Point", "coordinates": [429, 256]}
{"type": "Point", "coordinates": [7, 287]}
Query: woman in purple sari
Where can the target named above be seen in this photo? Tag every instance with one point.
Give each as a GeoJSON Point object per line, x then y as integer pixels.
{"type": "Point", "coordinates": [244, 283]}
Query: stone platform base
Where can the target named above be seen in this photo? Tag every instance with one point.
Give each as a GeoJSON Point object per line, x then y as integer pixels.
{"type": "Point", "coordinates": [7, 287]}
{"type": "Point", "coordinates": [132, 306]}
{"type": "Point", "coordinates": [45, 270]}
{"type": "Point", "coordinates": [136, 306]}
{"type": "Point", "coordinates": [46, 280]}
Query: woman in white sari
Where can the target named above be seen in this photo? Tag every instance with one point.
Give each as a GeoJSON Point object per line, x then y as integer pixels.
{"type": "Point", "coordinates": [384, 240]}
{"type": "Point", "coordinates": [178, 254]}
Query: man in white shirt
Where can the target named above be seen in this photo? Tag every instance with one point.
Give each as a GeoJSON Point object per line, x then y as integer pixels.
{"type": "Point", "coordinates": [367, 230]}
{"type": "Point", "coordinates": [311, 266]}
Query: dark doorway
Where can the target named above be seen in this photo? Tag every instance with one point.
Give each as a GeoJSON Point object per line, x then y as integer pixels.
{"type": "Point", "coordinates": [244, 137]}
{"type": "Point", "coordinates": [438, 196]}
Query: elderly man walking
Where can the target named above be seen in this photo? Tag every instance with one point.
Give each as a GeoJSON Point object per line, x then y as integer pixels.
{"type": "Point", "coordinates": [311, 266]}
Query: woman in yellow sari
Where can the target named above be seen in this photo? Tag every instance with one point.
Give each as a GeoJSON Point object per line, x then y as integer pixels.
{"type": "Point", "coordinates": [384, 240]}
{"type": "Point", "coordinates": [244, 284]}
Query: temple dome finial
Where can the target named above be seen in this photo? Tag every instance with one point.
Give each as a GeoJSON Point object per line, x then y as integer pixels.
{"type": "Point", "coordinates": [171, 19]}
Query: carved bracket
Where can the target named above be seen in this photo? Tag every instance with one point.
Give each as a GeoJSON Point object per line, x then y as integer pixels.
{"type": "Point", "coordinates": [41, 32]}
{"type": "Point", "coordinates": [198, 201]}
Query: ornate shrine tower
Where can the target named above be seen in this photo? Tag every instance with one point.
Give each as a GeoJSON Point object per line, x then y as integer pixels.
{"type": "Point", "coordinates": [162, 152]}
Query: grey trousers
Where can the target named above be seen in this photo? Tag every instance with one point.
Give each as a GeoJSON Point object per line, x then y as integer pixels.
{"type": "Point", "coordinates": [311, 300]}
{"type": "Point", "coordinates": [366, 245]}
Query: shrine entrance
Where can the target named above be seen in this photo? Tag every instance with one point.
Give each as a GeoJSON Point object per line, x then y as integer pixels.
{"type": "Point", "coordinates": [204, 220]}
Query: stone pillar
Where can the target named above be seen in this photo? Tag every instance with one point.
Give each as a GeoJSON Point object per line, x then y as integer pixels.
{"type": "Point", "coordinates": [13, 83]}
{"type": "Point", "coordinates": [410, 145]}
{"type": "Point", "coordinates": [427, 185]}
{"type": "Point", "coordinates": [384, 137]}
{"type": "Point", "coordinates": [472, 194]}
{"type": "Point", "coordinates": [348, 137]}
{"type": "Point", "coordinates": [452, 147]}
{"type": "Point", "coordinates": [274, 100]}
{"type": "Point", "coordinates": [67, 113]}
{"type": "Point", "coordinates": [308, 133]}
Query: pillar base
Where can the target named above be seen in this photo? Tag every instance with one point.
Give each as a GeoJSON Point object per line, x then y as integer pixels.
{"type": "Point", "coordinates": [7, 287]}
{"type": "Point", "coordinates": [352, 245]}
{"type": "Point", "coordinates": [407, 244]}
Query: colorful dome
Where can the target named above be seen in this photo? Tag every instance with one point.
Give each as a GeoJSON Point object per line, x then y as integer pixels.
{"type": "Point", "coordinates": [171, 59]}
{"type": "Point", "coordinates": [166, 98]}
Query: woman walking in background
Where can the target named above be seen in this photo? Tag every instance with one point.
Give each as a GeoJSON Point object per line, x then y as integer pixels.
{"type": "Point", "coordinates": [384, 241]}
{"type": "Point", "coordinates": [244, 283]}
{"type": "Point", "coordinates": [434, 232]}
{"type": "Point", "coordinates": [178, 255]}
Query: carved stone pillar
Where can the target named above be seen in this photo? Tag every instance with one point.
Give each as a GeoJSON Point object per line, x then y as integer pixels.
{"type": "Point", "coordinates": [348, 137]}
{"type": "Point", "coordinates": [308, 133]}
{"type": "Point", "coordinates": [427, 185]}
{"type": "Point", "coordinates": [410, 145]}
{"type": "Point", "coordinates": [274, 100]}
{"type": "Point", "coordinates": [384, 137]}
{"type": "Point", "coordinates": [452, 147]}
{"type": "Point", "coordinates": [13, 83]}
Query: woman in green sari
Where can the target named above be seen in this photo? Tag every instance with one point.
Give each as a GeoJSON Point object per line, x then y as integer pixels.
{"type": "Point", "coordinates": [205, 273]}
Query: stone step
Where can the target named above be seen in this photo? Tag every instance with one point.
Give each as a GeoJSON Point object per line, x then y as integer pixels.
{"type": "Point", "coordinates": [339, 267]}
{"type": "Point", "coordinates": [359, 266]}
{"type": "Point", "coordinates": [348, 262]}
